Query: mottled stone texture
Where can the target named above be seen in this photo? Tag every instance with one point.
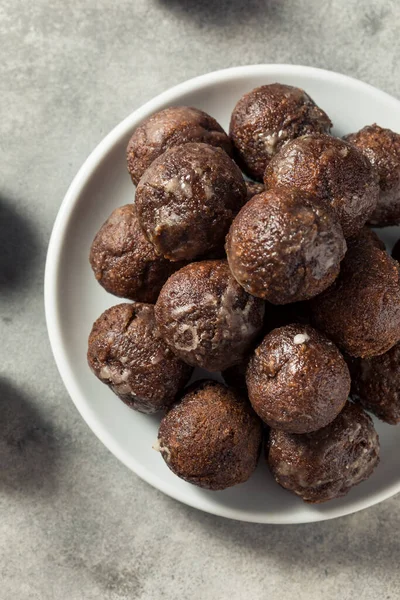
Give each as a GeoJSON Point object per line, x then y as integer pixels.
{"type": "Point", "coordinates": [74, 522]}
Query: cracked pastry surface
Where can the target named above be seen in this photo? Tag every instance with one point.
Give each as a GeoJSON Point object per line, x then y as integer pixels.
{"type": "Point", "coordinates": [126, 353]}
{"type": "Point", "coordinates": [187, 199]}
{"type": "Point", "coordinates": [334, 172]}
{"type": "Point", "coordinates": [327, 463]}
{"type": "Point", "coordinates": [375, 384]}
{"type": "Point", "coordinates": [382, 148]}
{"type": "Point", "coordinates": [123, 260]}
{"type": "Point", "coordinates": [170, 127]}
{"type": "Point", "coordinates": [284, 247]}
{"type": "Point", "coordinates": [267, 118]}
{"type": "Point", "coordinates": [206, 317]}
{"type": "Point", "coordinates": [360, 312]}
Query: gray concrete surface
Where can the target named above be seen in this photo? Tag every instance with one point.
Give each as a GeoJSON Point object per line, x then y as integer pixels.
{"type": "Point", "coordinates": [75, 524]}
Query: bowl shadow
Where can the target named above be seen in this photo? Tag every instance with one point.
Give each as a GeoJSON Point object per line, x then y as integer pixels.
{"type": "Point", "coordinates": [366, 540]}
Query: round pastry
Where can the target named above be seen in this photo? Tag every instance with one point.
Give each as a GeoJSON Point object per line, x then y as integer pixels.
{"type": "Point", "coordinates": [211, 438]}
{"type": "Point", "coordinates": [170, 127]}
{"type": "Point", "coordinates": [297, 380]}
{"type": "Point", "coordinates": [253, 188]}
{"type": "Point", "coordinates": [332, 171]}
{"type": "Point", "coordinates": [126, 353]}
{"type": "Point", "coordinates": [382, 147]}
{"type": "Point", "coordinates": [123, 260]}
{"type": "Point", "coordinates": [284, 247]}
{"type": "Point", "coordinates": [375, 384]}
{"type": "Point", "coordinates": [325, 464]}
{"type": "Point", "coordinates": [206, 317]}
{"type": "Point", "coordinates": [360, 312]}
{"type": "Point", "coordinates": [268, 117]}
{"type": "Point", "coordinates": [187, 199]}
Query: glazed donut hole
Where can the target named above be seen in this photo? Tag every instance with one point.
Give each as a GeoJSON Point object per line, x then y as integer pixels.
{"type": "Point", "coordinates": [248, 258]}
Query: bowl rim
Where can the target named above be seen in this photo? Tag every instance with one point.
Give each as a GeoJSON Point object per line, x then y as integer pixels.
{"type": "Point", "coordinates": [52, 278]}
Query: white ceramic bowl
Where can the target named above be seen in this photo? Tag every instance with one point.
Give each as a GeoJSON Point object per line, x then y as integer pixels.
{"type": "Point", "coordinates": [74, 299]}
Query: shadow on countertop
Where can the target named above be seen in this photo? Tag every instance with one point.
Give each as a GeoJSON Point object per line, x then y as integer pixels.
{"type": "Point", "coordinates": [19, 248]}
{"type": "Point", "coordinates": [28, 448]}
{"type": "Point", "coordinates": [224, 12]}
{"type": "Point", "coordinates": [366, 541]}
